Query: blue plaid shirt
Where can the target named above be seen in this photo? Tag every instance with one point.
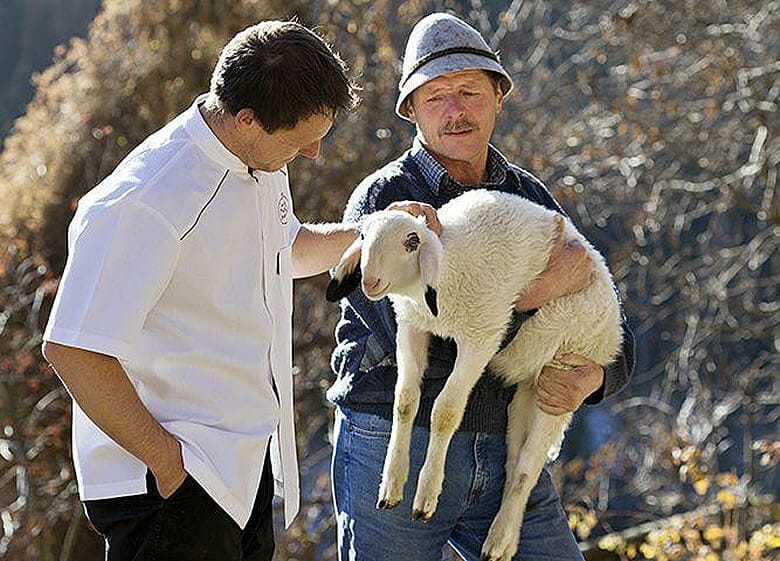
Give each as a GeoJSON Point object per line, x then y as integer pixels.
{"type": "Point", "coordinates": [364, 357]}
{"type": "Point", "coordinates": [437, 178]}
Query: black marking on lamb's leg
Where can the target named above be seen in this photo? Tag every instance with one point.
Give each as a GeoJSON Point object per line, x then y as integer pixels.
{"type": "Point", "coordinates": [338, 289]}
{"type": "Point", "coordinates": [420, 515]}
{"type": "Point", "coordinates": [431, 300]}
{"type": "Point", "coordinates": [518, 487]}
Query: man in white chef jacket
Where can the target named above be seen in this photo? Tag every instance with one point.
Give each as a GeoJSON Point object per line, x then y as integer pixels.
{"type": "Point", "coordinates": [172, 324]}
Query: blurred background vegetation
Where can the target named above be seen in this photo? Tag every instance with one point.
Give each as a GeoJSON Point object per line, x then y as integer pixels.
{"type": "Point", "coordinates": [655, 123]}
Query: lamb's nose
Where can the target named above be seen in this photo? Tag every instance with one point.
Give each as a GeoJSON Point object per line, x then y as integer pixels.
{"type": "Point", "coordinates": [370, 284]}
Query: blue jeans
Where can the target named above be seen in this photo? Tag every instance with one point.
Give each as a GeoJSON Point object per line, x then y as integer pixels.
{"type": "Point", "coordinates": [469, 501]}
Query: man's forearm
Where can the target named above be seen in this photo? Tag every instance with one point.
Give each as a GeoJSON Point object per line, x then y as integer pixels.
{"type": "Point", "coordinates": [100, 386]}
{"type": "Point", "coordinates": [318, 247]}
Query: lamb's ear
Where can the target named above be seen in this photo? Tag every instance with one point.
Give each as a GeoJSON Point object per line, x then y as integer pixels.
{"type": "Point", "coordinates": [431, 254]}
{"type": "Point", "coordinates": [347, 275]}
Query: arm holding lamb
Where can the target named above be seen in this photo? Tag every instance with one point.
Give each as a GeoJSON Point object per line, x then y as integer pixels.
{"type": "Point", "coordinates": [564, 390]}
{"type": "Point", "coordinates": [566, 266]}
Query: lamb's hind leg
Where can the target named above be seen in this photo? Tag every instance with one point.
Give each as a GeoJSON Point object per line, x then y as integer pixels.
{"type": "Point", "coordinates": [545, 433]}
{"type": "Point", "coordinates": [445, 419]}
{"type": "Point", "coordinates": [412, 354]}
{"type": "Point", "coordinates": [519, 420]}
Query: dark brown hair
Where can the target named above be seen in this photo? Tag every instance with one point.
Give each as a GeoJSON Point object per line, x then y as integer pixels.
{"type": "Point", "coordinates": [284, 73]}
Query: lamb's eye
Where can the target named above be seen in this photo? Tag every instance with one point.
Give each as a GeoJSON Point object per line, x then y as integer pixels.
{"type": "Point", "coordinates": [412, 242]}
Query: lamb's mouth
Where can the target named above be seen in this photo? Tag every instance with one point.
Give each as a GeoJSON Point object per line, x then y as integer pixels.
{"type": "Point", "coordinates": [377, 294]}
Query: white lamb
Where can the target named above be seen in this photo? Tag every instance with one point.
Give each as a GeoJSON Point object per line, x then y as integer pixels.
{"type": "Point", "coordinates": [463, 286]}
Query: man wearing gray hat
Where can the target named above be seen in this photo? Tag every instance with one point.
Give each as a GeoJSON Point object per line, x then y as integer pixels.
{"type": "Point", "coordinates": [452, 90]}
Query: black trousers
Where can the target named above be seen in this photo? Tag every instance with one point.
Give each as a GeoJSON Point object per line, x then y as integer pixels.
{"type": "Point", "coordinates": [187, 526]}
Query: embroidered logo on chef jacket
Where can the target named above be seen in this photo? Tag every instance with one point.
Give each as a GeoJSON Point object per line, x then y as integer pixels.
{"type": "Point", "coordinates": [284, 209]}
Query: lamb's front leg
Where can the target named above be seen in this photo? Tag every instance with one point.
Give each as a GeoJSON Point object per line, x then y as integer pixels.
{"type": "Point", "coordinates": [545, 433]}
{"type": "Point", "coordinates": [445, 419]}
{"type": "Point", "coordinates": [412, 357]}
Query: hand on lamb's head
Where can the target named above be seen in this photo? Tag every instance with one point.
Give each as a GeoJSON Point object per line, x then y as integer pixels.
{"type": "Point", "coordinates": [416, 208]}
{"type": "Point", "coordinates": [396, 254]}
{"type": "Point", "coordinates": [569, 270]}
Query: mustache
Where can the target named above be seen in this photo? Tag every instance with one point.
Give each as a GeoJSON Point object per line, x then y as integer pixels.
{"type": "Point", "coordinates": [461, 125]}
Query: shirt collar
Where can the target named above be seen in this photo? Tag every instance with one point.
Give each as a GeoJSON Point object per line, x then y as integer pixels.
{"type": "Point", "coordinates": [436, 174]}
{"type": "Point", "coordinates": [207, 141]}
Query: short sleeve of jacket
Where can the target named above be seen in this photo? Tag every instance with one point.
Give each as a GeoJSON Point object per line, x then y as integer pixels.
{"type": "Point", "coordinates": [121, 258]}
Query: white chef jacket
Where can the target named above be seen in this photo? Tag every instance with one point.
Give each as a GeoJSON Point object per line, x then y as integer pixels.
{"type": "Point", "coordinates": [179, 266]}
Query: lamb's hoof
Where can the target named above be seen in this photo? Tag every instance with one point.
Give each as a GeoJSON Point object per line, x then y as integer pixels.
{"type": "Point", "coordinates": [501, 544]}
{"type": "Point", "coordinates": [387, 504]}
{"type": "Point", "coordinates": [421, 515]}
{"type": "Point", "coordinates": [391, 493]}
{"type": "Point", "coordinates": [489, 557]}
{"type": "Point", "coordinates": [424, 508]}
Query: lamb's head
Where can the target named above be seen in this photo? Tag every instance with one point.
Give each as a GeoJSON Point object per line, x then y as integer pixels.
{"type": "Point", "coordinates": [395, 254]}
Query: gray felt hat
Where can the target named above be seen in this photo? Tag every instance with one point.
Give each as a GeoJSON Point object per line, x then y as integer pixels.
{"type": "Point", "coordinates": [440, 44]}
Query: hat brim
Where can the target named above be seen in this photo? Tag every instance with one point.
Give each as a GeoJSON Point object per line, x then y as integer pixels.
{"type": "Point", "coordinates": [446, 65]}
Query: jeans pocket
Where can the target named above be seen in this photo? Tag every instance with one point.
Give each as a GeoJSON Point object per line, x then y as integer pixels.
{"type": "Point", "coordinates": [368, 425]}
